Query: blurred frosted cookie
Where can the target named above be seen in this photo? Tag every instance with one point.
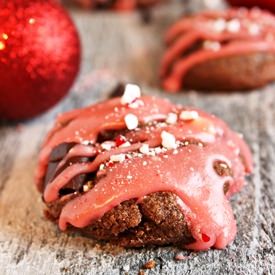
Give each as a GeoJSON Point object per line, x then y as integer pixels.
{"type": "Point", "coordinates": [222, 50]}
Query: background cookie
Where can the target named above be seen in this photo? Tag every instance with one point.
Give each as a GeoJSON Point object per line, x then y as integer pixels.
{"type": "Point", "coordinates": [222, 50]}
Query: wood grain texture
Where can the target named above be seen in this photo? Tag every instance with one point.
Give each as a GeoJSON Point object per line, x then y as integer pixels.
{"type": "Point", "coordinates": [120, 47]}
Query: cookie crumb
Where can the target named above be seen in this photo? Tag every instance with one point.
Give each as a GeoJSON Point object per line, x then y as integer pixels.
{"type": "Point", "coordinates": [149, 265]}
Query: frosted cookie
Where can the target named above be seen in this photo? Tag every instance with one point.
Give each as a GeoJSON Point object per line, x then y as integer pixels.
{"type": "Point", "coordinates": [221, 50]}
{"type": "Point", "coordinates": [138, 170]}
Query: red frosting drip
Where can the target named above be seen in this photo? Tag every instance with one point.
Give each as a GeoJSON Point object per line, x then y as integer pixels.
{"type": "Point", "coordinates": [218, 34]}
{"type": "Point", "coordinates": [186, 171]}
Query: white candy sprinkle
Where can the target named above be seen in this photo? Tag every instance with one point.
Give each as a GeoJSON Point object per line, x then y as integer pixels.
{"type": "Point", "coordinates": [131, 121]}
{"type": "Point", "coordinates": [189, 115]}
{"type": "Point", "coordinates": [158, 150]}
{"type": "Point", "coordinates": [136, 104]}
{"type": "Point", "coordinates": [86, 142]}
{"type": "Point", "coordinates": [212, 129]}
{"type": "Point", "coordinates": [129, 156]}
{"type": "Point", "coordinates": [108, 145]}
{"type": "Point", "coordinates": [254, 29]}
{"type": "Point", "coordinates": [144, 163]}
{"type": "Point", "coordinates": [230, 143]}
{"type": "Point", "coordinates": [152, 153]}
{"type": "Point", "coordinates": [168, 140]}
{"type": "Point", "coordinates": [211, 45]}
{"type": "Point", "coordinates": [131, 93]}
{"type": "Point", "coordinates": [233, 25]}
{"type": "Point", "coordinates": [101, 167]}
{"type": "Point", "coordinates": [129, 177]}
{"type": "Point", "coordinates": [171, 118]}
{"type": "Point", "coordinates": [223, 165]}
{"type": "Point", "coordinates": [85, 188]}
{"type": "Point", "coordinates": [144, 149]}
{"type": "Point", "coordinates": [219, 25]}
{"type": "Point", "coordinates": [117, 158]}
{"type": "Point", "coordinates": [125, 144]}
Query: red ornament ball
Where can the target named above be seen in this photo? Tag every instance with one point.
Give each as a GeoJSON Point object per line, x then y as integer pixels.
{"type": "Point", "coordinates": [264, 4]}
{"type": "Point", "coordinates": [39, 56]}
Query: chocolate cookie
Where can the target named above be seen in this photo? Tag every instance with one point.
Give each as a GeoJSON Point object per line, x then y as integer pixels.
{"type": "Point", "coordinates": [139, 170]}
{"type": "Point", "coordinates": [223, 50]}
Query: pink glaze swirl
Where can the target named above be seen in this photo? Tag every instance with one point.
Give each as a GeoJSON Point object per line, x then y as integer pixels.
{"type": "Point", "coordinates": [213, 35]}
{"type": "Point", "coordinates": [186, 169]}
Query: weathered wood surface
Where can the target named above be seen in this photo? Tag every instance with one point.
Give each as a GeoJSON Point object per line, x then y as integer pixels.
{"type": "Point", "coordinates": [122, 47]}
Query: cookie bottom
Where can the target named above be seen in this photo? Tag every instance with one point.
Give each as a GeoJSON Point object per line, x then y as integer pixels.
{"type": "Point", "coordinates": [241, 72]}
{"type": "Point", "coordinates": [156, 220]}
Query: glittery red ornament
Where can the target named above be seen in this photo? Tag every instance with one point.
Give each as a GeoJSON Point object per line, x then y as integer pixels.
{"type": "Point", "coordinates": [264, 4]}
{"type": "Point", "coordinates": [39, 56]}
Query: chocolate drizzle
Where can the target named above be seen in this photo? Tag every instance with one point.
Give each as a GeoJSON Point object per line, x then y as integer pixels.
{"type": "Point", "coordinates": [196, 157]}
{"type": "Point", "coordinates": [213, 35]}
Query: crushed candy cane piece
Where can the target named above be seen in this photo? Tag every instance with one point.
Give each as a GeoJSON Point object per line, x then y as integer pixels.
{"type": "Point", "coordinates": [131, 93]}
{"type": "Point", "coordinates": [131, 121]}
{"type": "Point", "coordinates": [168, 140]}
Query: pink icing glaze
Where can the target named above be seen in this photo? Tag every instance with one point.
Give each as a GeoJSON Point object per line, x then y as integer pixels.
{"type": "Point", "coordinates": [80, 129]}
{"type": "Point", "coordinates": [255, 34]}
{"type": "Point", "coordinates": [187, 171]}
{"type": "Point", "coordinates": [78, 150]}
